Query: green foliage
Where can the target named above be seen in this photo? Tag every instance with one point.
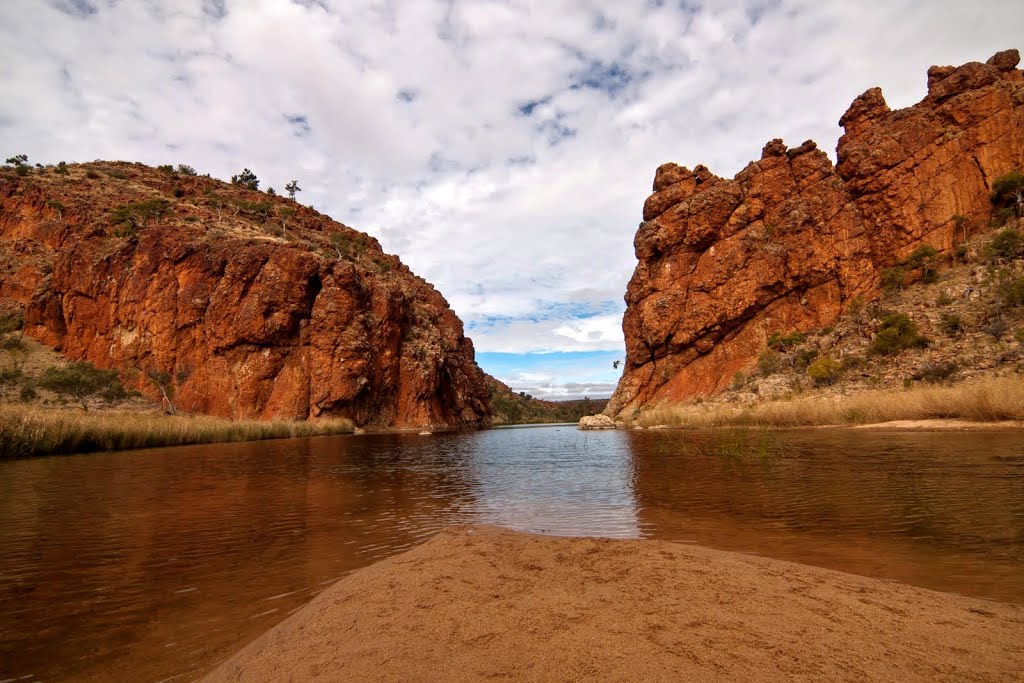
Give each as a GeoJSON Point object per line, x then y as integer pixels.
{"type": "Point", "coordinates": [11, 343]}
{"type": "Point", "coordinates": [18, 160]}
{"type": "Point", "coordinates": [1008, 244]}
{"type": "Point", "coordinates": [781, 342]}
{"type": "Point", "coordinates": [28, 393]}
{"type": "Point", "coordinates": [996, 329]}
{"type": "Point", "coordinates": [825, 371]}
{"type": "Point", "coordinates": [9, 375]}
{"type": "Point", "coordinates": [82, 380]}
{"type": "Point", "coordinates": [1008, 190]}
{"type": "Point", "coordinates": [178, 192]}
{"type": "Point", "coordinates": [923, 257]}
{"type": "Point", "coordinates": [896, 333]}
{"type": "Point", "coordinates": [166, 168]}
{"type": "Point", "coordinates": [769, 362]}
{"type": "Point", "coordinates": [246, 179]}
{"type": "Point", "coordinates": [892, 279]}
{"type": "Point", "coordinates": [256, 210]}
{"type": "Point", "coordinates": [853, 362]}
{"type": "Point", "coordinates": [803, 357]}
{"type": "Point", "coordinates": [271, 192]}
{"type": "Point", "coordinates": [11, 321]}
{"type": "Point", "coordinates": [943, 299]}
{"type": "Point", "coordinates": [128, 218]}
{"type": "Point", "coordinates": [92, 175]}
{"type": "Point", "coordinates": [951, 324]}
{"type": "Point", "coordinates": [1019, 335]}
{"type": "Point", "coordinates": [935, 372]}
{"type": "Point", "coordinates": [185, 169]}
{"type": "Point", "coordinates": [1011, 292]}
{"type": "Point", "coordinates": [739, 380]}
{"type": "Point", "coordinates": [291, 188]}
{"type": "Point", "coordinates": [62, 168]}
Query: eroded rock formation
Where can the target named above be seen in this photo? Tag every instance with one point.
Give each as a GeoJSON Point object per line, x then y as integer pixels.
{"type": "Point", "coordinates": [791, 240]}
{"type": "Point", "coordinates": [246, 305]}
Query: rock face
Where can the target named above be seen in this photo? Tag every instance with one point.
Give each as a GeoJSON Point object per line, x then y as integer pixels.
{"type": "Point", "coordinates": [596, 422]}
{"type": "Point", "coordinates": [789, 242]}
{"type": "Point", "coordinates": [246, 305]}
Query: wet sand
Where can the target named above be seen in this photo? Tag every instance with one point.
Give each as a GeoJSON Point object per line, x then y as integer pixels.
{"type": "Point", "coordinates": [481, 602]}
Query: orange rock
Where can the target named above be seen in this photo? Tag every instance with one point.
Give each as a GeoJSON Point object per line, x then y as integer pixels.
{"type": "Point", "coordinates": [792, 239]}
{"type": "Point", "coordinates": [247, 322]}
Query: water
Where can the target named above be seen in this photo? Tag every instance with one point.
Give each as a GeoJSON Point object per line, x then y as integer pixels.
{"type": "Point", "coordinates": [146, 565]}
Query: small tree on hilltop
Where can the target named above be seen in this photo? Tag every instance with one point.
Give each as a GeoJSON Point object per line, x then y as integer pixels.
{"type": "Point", "coordinates": [246, 179]}
{"type": "Point", "coordinates": [82, 380]}
{"type": "Point", "coordinates": [20, 163]}
{"type": "Point", "coordinates": [292, 188]}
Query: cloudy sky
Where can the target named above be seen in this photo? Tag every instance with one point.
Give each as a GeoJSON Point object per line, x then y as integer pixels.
{"type": "Point", "coordinates": [502, 149]}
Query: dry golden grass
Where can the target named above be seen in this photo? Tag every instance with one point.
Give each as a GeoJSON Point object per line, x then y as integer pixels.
{"type": "Point", "coordinates": [36, 431]}
{"type": "Point", "coordinates": [990, 399]}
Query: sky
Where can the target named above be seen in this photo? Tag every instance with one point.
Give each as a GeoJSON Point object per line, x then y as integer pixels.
{"type": "Point", "coordinates": [502, 149]}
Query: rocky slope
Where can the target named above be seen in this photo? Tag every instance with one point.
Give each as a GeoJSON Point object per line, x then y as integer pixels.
{"type": "Point", "coordinates": [236, 302]}
{"type": "Point", "coordinates": [792, 240]}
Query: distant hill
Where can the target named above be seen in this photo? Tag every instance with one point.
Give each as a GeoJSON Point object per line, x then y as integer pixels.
{"type": "Point", "coordinates": [509, 407]}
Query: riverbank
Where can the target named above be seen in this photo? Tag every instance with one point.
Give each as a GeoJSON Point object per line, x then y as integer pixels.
{"type": "Point", "coordinates": [481, 602]}
{"type": "Point", "coordinates": [987, 400]}
{"type": "Point", "coordinates": [26, 431]}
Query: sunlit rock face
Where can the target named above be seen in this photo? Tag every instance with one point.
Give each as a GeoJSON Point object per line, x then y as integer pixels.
{"type": "Point", "coordinates": [252, 305]}
{"type": "Point", "coordinates": [791, 240]}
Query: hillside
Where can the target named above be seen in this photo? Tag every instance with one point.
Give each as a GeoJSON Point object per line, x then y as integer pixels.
{"type": "Point", "coordinates": [510, 407]}
{"type": "Point", "coordinates": [238, 303]}
{"type": "Point", "coordinates": [793, 243]}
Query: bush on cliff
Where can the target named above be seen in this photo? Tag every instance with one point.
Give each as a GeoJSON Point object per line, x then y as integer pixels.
{"type": "Point", "coordinates": [246, 179]}
{"type": "Point", "coordinates": [1006, 244]}
{"type": "Point", "coordinates": [83, 380]}
{"type": "Point", "coordinates": [1008, 192]}
{"type": "Point", "coordinates": [825, 371]}
{"type": "Point", "coordinates": [896, 333]}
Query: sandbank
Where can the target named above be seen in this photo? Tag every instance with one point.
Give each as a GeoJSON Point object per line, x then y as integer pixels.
{"type": "Point", "coordinates": [485, 603]}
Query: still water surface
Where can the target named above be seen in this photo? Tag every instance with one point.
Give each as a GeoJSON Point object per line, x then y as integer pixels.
{"type": "Point", "coordinates": [147, 565]}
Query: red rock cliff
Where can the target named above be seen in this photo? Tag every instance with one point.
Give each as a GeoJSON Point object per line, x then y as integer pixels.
{"type": "Point", "coordinates": [792, 239]}
{"type": "Point", "coordinates": [253, 305]}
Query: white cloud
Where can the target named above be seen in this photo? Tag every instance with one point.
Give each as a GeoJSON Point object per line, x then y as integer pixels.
{"type": "Point", "coordinates": [502, 149]}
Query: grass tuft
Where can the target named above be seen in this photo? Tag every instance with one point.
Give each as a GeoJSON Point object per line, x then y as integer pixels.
{"type": "Point", "coordinates": [990, 399]}
{"type": "Point", "coordinates": [26, 431]}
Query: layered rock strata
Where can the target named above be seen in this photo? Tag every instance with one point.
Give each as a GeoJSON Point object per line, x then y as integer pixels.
{"type": "Point", "coordinates": [789, 242]}
{"type": "Point", "coordinates": [240, 304]}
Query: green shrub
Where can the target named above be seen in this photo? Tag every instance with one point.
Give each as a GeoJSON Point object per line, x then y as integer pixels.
{"type": "Point", "coordinates": [1008, 191]}
{"type": "Point", "coordinates": [824, 371]}
{"type": "Point", "coordinates": [166, 168]}
{"type": "Point", "coordinates": [62, 168]}
{"type": "Point", "coordinates": [178, 193]}
{"type": "Point", "coordinates": [892, 279]}
{"type": "Point", "coordinates": [11, 343]}
{"type": "Point", "coordinates": [996, 329]}
{"type": "Point", "coordinates": [185, 169]}
{"type": "Point", "coordinates": [1019, 335]}
{"type": "Point", "coordinates": [935, 372]}
{"type": "Point", "coordinates": [9, 375]}
{"type": "Point", "coordinates": [1007, 243]}
{"type": "Point", "coordinates": [739, 380]}
{"type": "Point", "coordinates": [769, 362]}
{"type": "Point", "coordinates": [128, 218]}
{"type": "Point", "coordinates": [950, 324]}
{"type": "Point", "coordinates": [1011, 293]}
{"type": "Point", "coordinates": [925, 258]}
{"type": "Point", "coordinates": [28, 393]}
{"type": "Point", "coordinates": [11, 321]}
{"type": "Point", "coordinates": [896, 333]}
{"type": "Point", "coordinates": [81, 380]}
{"type": "Point", "coordinates": [853, 362]}
{"type": "Point", "coordinates": [781, 342]}
{"type": "Point", "coordinates": [92, 175]}
{"type": "Point", "coordinates": [803, 357]}
{"type": "Point", "coordinates": [943, 300]}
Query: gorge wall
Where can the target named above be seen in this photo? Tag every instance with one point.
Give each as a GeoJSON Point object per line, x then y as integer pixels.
{"type": "Point", "coordinates": [247, 305]}
{"type": "Point", "coordinates": [789, 242]}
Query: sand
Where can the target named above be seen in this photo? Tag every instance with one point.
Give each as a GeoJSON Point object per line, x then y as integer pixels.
{"type": "Point", "coordinates": [480, 603]}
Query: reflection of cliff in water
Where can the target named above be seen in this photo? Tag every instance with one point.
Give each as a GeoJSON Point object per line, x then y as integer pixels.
{"type": "Point", "coordinates": [159, 560]}
{"type": "Point", "coordinates": [939, 510]}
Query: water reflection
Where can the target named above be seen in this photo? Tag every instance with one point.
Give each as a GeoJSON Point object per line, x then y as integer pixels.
{"type": "Point", "coordinates": [148, 564]}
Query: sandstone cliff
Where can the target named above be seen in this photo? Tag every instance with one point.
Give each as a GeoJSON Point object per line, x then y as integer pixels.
{"type": "Point", "coordinates": [241, 303]}
{"type": "Point", "coordinates": [791, 240]}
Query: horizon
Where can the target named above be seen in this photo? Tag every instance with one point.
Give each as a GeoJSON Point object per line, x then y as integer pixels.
{"type": "Point", "coordinates": [502, 152]}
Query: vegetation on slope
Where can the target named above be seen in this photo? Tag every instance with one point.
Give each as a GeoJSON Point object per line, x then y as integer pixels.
{"type": "Point", "coordinates": [511, 408]}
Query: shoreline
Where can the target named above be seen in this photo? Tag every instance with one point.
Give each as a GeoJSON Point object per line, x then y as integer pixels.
{"type": "Point", "coordinates": [34, 432]}
{"type": "Point", "coordinates": [932, 425]}
{"type": "Point", "coordinates": [477, 602]}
